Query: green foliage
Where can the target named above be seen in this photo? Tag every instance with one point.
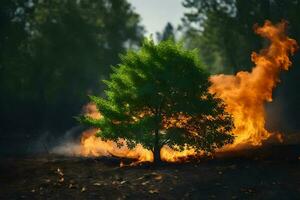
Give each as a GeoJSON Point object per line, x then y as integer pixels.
{"type": "Point", "coordinates": [53, 53]}
{"type": "Point", "coordinates": [152, 87]}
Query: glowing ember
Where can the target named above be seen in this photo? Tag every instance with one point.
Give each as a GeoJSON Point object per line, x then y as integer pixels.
{"type": "Point", "coordinates": [246, 92]}
{"type": "Point", "coordinates": [245, 95]}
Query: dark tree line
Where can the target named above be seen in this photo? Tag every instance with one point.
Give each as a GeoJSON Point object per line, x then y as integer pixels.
{"type": "Point", "coordinates": [53, 54]}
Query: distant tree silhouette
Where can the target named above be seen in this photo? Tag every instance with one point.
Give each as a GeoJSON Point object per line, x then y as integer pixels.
{"type": "Point", "coordinates": [167, 34]}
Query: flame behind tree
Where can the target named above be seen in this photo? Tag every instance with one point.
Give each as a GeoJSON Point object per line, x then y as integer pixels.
{"type": "Point", "coordinates": [159, 97]}
{"type": "Point", "coordinates": [246, 93]}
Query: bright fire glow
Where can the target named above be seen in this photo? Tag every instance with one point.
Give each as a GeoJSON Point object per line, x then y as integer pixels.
{"type": "Point", "coordinates": [94, 146]}
{"type": "Point", "coordinates": [244, 93]}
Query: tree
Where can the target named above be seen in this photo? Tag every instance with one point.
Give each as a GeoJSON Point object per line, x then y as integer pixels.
{"type": "Point", "coordinates": [167, 34]}
{"type": "Point", "coordinates": [213, 28]}
{"type": "Point", "coordinates": [53, 53]}
{"type": "Point", "coordinates": [159, 96]}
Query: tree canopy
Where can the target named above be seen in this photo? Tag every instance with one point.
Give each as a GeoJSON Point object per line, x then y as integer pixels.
{"type": "Point", "coordinates": [159, 96]}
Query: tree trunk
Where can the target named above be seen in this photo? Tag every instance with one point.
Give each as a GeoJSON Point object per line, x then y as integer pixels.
{"type": "Point", "coordinates": [156, 155]}
{"type": "Point", "coordinates": [156, 149]}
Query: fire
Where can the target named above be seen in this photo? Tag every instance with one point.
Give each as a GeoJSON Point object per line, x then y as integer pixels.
{"type": "Point", "coordinates": [94, 146]}
{"type": "Point", "coordinates": [244, 93]}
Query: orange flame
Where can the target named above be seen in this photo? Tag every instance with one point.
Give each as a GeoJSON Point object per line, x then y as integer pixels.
{"type": "Point", "coordinates": [246, 92]}
{"type": "Point", "coordinates": [91, 145]}
{"type": "Point", "coordinates": [245, 95]}
{"type": "Point", "coordinates": [94, 146]}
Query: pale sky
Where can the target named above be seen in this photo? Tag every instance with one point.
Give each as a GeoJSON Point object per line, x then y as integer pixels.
{"type": "Point", "coordinates": [156, 13]}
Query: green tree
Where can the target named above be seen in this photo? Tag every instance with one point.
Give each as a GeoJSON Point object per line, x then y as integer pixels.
{"type": "Point", "coordinates": [159, 96]}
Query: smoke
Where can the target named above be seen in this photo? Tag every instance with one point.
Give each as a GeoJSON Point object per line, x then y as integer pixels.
{"type": "Point", "coordinates": [69, 143]}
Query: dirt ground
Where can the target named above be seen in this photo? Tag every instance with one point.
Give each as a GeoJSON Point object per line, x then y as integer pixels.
{"type": "Point", "coordinates": [269, 173]}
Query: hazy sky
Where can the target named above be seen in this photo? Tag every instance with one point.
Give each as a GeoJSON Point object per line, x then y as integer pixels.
{"type": "Point", "coordinates": [156, 13]}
